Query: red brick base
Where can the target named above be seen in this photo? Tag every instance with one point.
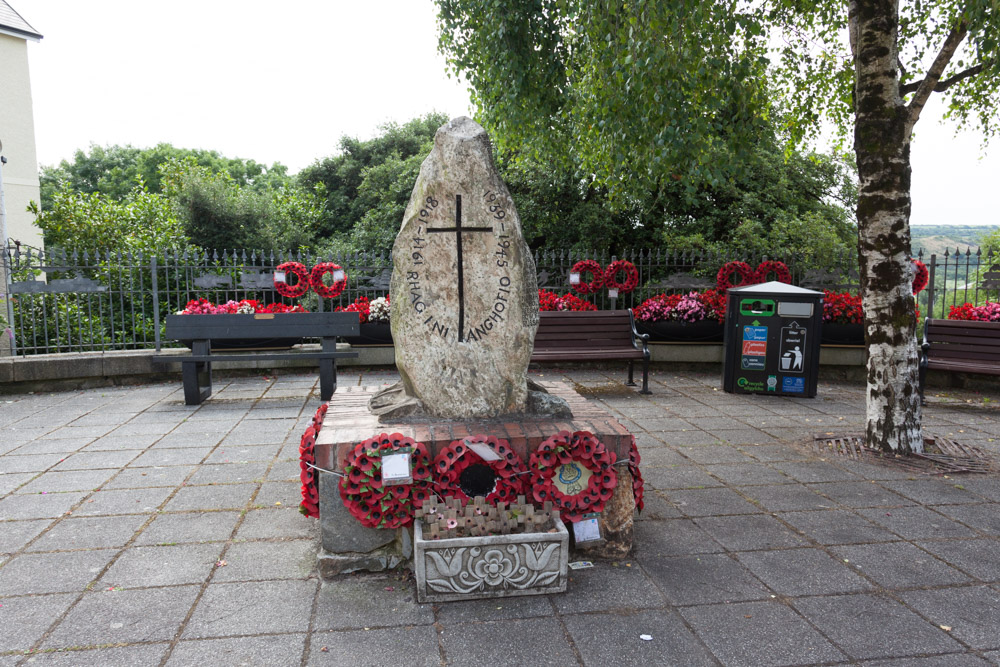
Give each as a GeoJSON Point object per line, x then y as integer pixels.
{"type": "Point", "coordinates": [348, 422]}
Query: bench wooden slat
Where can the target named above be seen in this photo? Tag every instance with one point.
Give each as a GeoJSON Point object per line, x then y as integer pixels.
{"type": "Point", "coordinates": [962, 346]}
{"type": "Point", "coordinates": [590, 336]}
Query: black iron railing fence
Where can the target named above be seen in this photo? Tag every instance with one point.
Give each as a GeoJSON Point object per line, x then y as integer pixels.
{"type": "Point", "coordinates": [91, 301]}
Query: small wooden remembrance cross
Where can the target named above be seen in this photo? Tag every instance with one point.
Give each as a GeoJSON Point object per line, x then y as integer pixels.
{"type": "Point", "coordinates": [459, 229]}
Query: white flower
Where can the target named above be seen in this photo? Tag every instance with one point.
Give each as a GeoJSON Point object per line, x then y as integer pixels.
{"type": "Point", "coordinates": [378, 310]}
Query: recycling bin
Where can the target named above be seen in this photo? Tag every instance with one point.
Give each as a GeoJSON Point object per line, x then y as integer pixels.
{"type": "Point", "coordinates": [772, 337]}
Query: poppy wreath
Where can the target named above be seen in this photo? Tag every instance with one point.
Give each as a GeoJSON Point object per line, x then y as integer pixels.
{"type": "Point", "coordinates": [593, 268]}
{"type": "Point", "coordinates": [638, 485]}
{"type": "Point", "coordinates": [300, 287]}
{"type": "Point", "coordinates": [921, 277]}
{"type": "Point", "coordinates": [361, 488]}
{"type": "Point", "coordinates": [631, 276]}
{"type": "Point", "coordinates": [307, 457]}
{"type": "Point", "coordinates": [453, 460]}
{"type": "Point", "coordinates": [778, 269]}
{"type": "Point", "coordinates": [321, 288]}
{"type": "Point", "coordinates": [724, 278]}
{"type": "Point", "coordinates": [560, 449]}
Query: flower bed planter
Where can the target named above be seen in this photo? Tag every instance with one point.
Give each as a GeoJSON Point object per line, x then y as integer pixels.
{"type": "Point", "coordinates": [372, 334]}
{"type": "Point", "coordinates": [842, 334]}
{"type": "Point", "coordinates": [705, 331]}
{"type": "Point", "coordinates": [469, 568]}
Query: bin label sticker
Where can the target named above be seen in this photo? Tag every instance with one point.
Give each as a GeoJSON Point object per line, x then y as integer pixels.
{"type": "Point", "coordinates": [793, 385]}
{"type": "Point", "coordinates": [772, 382]}
{"type": "Point", "coordinates": [749, 385]}
{"type": "Point", "coordinates": [755, 333]}
{"type": "Point", "coordinates": [754, 348]}
{"type": "Point", "coordinates": [791, 352]}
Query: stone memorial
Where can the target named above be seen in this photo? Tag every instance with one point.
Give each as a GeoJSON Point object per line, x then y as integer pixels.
{"type": "Point", "coordinates": [464, 297]}
{"type": "Point", "coordinates": [464, 315]}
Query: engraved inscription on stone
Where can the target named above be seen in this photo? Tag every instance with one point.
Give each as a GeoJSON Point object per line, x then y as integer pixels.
{"type": "Point", "coordinates": [464, 296]}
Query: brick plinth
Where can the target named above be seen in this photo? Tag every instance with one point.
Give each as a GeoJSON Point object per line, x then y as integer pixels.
{"type": "Point", "coordinates": [348, 422]}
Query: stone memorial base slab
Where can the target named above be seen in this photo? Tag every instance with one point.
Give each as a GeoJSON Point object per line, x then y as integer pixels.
{"type": "Point", "coordinates": [494, 566]}
{"type": "Point", "coordinates": [348, 546]}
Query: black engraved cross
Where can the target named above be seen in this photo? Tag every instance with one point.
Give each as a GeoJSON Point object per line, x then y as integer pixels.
{"type": "Point", "coordinates": [459, 230]}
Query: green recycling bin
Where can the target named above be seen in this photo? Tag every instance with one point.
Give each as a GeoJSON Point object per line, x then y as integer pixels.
{"type": "Point", "coordinates": [772, 337]}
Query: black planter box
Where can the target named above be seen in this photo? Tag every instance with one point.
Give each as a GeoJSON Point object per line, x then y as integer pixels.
{"type": "Point", "coordinates": [843, 334]}
{"type": "Point", "coordinates": [705, 331]}
{"type": "Point", "coordinates": [372, 334]}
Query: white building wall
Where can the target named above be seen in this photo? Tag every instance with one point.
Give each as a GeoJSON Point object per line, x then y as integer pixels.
{"type": "Point", "coordinates": [17, 132]}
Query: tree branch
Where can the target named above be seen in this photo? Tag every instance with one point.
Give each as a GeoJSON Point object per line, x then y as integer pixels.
{"type": "Point", "coordinates": [926, 87]}
{"type": "Point", "coordinates": [942, 86]}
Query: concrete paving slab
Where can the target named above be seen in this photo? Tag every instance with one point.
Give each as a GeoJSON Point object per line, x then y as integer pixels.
{"type": "Point", "coordinates": [25, 619]}
{"type": "Point", "coordinates": [250, 608]}
{"type": "Point", "coordinates": [606, 587]}
{"type": "Point", "coordinates": [258, 561]}
{"type": "Point", "coordinates": [115, 656]}
{"type": "Point", "coordinates": [610, 639]}
{"type": "Point", "coordinates": [899, 565]}
{"type": "Point", "coordinates": [972, 613]}
{"type": "Point", "coordinates": [89, 533]}
{"type": "Point", "coordinates": [379, 646]}
{"type": "Point", "coordinates": [703, 579]}
{"type": "Point", "coordinates": [797, 572]}
{"type": "Point", "coordinates": [64, 572]}
{"type": "Point", "coordinates": [124, 501]}
{"type": "Point", "coordinates": [358, 602]}
{"type": "Point", "coordinates": [106, 617]}
{"type": "Point", "coordinates": [184, 527]}
{"type": "Point", "coordinates": [520, 642]}
{"type": "Point", "coordinates": [266, 651]}
{"type": "Point", "coordinates": [750, 637]}
{"type": "Point", "coordinates": [143, 567]}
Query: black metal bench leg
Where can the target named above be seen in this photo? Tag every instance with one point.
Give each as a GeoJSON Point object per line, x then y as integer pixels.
{"type": "Point", "coordinates": [631, 381]}
{"type": "Point", "coordinates": [327, 378]}
{"type": "Point", "coordinates": [197, 376]}
{"type": "Point", "coordinates": [922, 379]}
{"type": "Point", "coordinates": [645, 377]}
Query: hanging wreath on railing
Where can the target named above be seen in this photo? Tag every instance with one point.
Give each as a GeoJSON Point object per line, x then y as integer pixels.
{"type": "Point", "coordinates": [573, 471]}
{"type": "Point", "coordinates": [631, 276]}
{"type": "Point", "coordinates": [638, 485]}
{"type": "Point", "coordinates": [724, 278]}
{"type": "Point", "coordinates": [593, 268]}
{"type": "Point", "coordinates": [367, 499]}
{"type": "Point", "coordinates": [921, 276]}
{"type": "Point", "coordinates": [300, 287]}
{"type": "Point", "coordinates": [457, 466]}
{"type": "Point", "coordinates": [779, 269]}
{"type": "Point", "coordinates": [321, 288]}
{"type": "Point", "coordinates": [307, 458]}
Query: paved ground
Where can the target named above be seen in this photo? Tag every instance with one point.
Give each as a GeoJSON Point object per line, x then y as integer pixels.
{"type": "Point", "coordinates": [135, 530]}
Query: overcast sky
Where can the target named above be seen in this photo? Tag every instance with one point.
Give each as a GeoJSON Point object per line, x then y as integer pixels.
{"type": "Point", "coordinates": [282, 82]}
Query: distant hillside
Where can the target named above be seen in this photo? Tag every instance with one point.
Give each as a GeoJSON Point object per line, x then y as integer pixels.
{"type": "Point", "coordinates": [935, 239]}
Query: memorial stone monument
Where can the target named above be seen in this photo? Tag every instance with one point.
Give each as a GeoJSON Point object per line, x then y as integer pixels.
{"type": "Point", "coordinates": [464, 314]}
{"type": "Point", "coordinates": [464, 295]}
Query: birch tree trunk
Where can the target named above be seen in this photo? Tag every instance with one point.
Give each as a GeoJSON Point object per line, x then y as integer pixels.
{"type": "Point", "coordinates": [882, 146]}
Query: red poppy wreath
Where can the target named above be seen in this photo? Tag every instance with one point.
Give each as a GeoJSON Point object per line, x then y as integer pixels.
{"type": "Point", "coordinates": [307, 458]}
{"type": "Point", "coordinates": [458, 470]}
{"type": "Point", "coordinates": [573, 471]}
{"type": "Point", "coordinates": [631, 276]}
{"type": "Point", "coordinates": [921, 276]}
{"type": "Point", "coordinates": [320, 287]}
{"type": "Point", "coordinates": [593, 268]}
{"type": "Point", "coordinates": [301, 285]}
{"type": "Point", "coordinates": [724, 279]}
{"type": "Point", "coordinates": [361, 488]}
{"type": "Point", "coordinates": [772, 268]}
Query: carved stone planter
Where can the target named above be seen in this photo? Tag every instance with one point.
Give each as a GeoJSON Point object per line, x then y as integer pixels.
{"type": "Point", "coordinates": [468, 568]}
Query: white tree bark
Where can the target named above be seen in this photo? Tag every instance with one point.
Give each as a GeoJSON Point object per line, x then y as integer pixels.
{"type": "Point", "coordinates": [882, 146]}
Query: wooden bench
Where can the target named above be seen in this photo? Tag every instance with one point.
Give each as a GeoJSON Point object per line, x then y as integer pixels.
{"type": "Point", "coordinates": [961, 346]}
{"type": "Point", "coordinates": [592, 336]}
{"type": "Point", "coordinates": [200, 330]}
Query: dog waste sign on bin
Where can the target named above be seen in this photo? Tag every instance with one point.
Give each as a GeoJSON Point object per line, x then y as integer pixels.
{"type": "Point", "coordinates": [772, 340]}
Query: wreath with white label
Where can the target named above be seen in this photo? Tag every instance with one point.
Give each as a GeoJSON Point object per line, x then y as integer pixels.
{"type": "Point", "coordinates": [320, 287]}
{"type": "Point", "coordinates": [301, 285]}
{"type": "Point", "coordinates": [593, 268]}
{"type": "Point", "coordinates": [371, 502]}
{"type": "Point", "coordinates": [574, 471]}
{"type": "Point", "coordinates": [460, 472]}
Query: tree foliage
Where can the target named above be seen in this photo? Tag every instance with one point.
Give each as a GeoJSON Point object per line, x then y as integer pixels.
{"type": "Point", "coordinates": [341, 178]}
{"type": "Point", "coordinates": [89, 221]}
{"type": "Point", "coordinates": [114, 170]}
{"type": "Point", "coordinates": [219, 213]}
